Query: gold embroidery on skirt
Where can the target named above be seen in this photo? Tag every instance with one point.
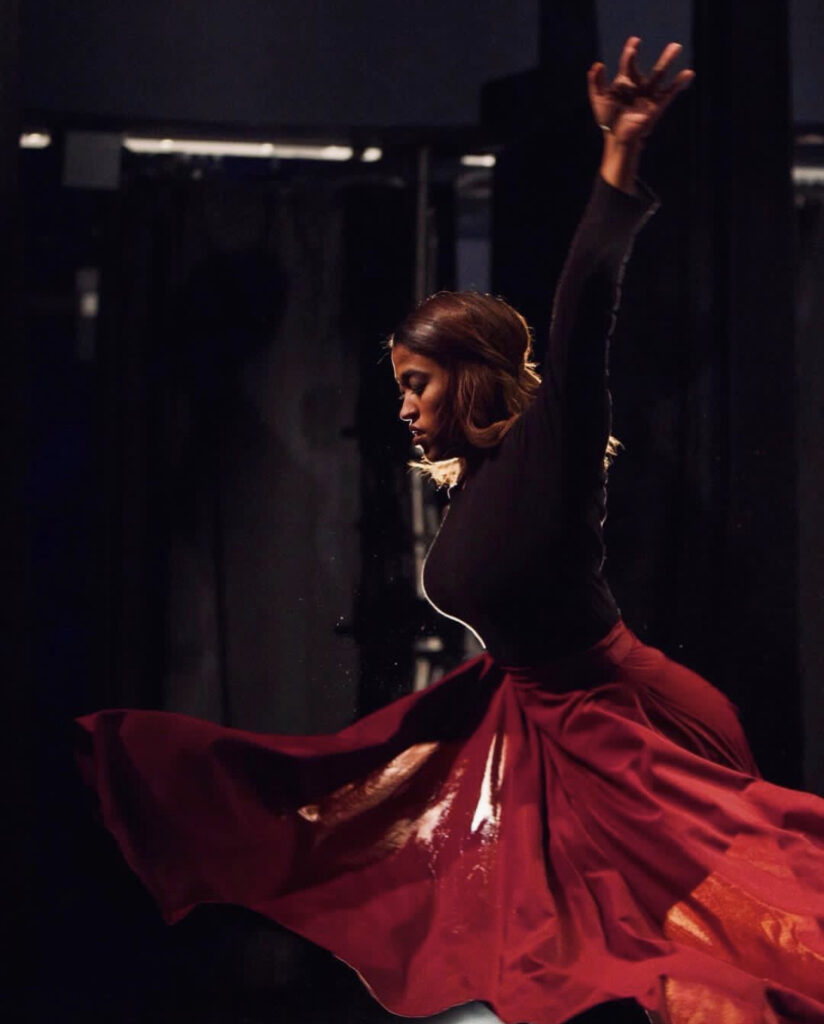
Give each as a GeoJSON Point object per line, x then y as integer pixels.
{"type": "Point", "coordinates": [745, 928]}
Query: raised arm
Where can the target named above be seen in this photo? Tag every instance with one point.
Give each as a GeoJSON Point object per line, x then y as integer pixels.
{"type": "Point", "coordinates": [588, 292]}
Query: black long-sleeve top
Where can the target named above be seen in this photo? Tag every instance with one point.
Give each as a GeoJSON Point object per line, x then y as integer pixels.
{"type": "Point", "coordinates": [520, 553]}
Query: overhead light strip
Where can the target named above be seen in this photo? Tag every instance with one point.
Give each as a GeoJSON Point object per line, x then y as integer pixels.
{"type": "Point", "coordinates": [226, 147]}
{"type": "Point", "coordinates": [478, 160]}
{"type": "Point", "coordinates": [808, 175]}
{"type": "Point", "coordinates": [35, 140]}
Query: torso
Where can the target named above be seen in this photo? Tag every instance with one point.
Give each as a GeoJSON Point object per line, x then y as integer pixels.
{"type": "Point", "coordinates": [519, 556]}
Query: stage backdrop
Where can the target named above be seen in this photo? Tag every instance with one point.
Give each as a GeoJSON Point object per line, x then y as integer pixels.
{"type": "Point", "coordinates": [232, 498]}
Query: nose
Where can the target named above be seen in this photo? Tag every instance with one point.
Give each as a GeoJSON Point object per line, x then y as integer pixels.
{"type": "Point", "coordinates": [408, 411]}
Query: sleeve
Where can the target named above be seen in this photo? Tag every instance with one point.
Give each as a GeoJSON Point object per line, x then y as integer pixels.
{"type": "Point", "coordinates": [584, 314]}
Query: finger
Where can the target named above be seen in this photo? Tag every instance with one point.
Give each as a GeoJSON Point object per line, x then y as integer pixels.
{"type": "Point", "coordinates": [596, 80]}
{"type": "Point", "coordinates": [668, 55]}
{"type": "Point", "coordinates": [627, 59]}
{"type": "Point", "coordinates": [596, 76]}
{"type": "Point", "coordinates": [632, 68]}
{"type": "Point", "coordinates": [679, 83]}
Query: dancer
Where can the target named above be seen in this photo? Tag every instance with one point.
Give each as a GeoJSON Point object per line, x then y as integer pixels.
{"type": "Point", "coordinates": [568, 818]}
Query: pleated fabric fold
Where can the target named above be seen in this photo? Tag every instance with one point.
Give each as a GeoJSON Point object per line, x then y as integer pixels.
{"type": "Point", "coordinates": [542, 839]}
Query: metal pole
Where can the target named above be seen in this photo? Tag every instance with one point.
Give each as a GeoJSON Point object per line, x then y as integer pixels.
{"type": "Point", "coordinates": [421, 278]}
{"type": "Point", "coordinates": [421, 222]}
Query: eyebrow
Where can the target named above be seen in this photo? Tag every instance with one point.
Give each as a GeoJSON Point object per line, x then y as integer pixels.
{"type": "Point", "coordinates": [407, 375]}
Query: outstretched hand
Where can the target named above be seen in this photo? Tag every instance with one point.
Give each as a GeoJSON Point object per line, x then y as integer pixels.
{"type": "Point", "coordinates": [630, 106]}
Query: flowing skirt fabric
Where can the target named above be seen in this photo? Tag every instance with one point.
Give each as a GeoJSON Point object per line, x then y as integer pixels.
{"type": "Point", "coordinates": [540, 839]}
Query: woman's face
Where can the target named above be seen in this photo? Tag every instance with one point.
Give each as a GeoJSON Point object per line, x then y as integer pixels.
{"type": "Point", "coordinates": [423, 386]}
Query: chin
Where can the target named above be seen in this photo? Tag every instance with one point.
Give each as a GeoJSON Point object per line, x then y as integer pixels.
{"type": "Point", "coordinates": [437, 451]}
{"type": "Point", "coordinates": [441, 455]}
{"type": "Point", "coordinates": [434, 452]}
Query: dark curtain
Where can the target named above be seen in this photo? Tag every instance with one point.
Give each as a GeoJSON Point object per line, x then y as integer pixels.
{"type": "Point", "coordinates": [16, 610]}
{"type": "Point", "coordinates": [233, 489]}
{"type": "Point", "coordinates": [810, 374]}
{"type": "Point", "coordinates": [743, 300]}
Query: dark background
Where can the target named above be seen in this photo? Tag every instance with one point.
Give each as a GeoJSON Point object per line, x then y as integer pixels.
{"type": "Point", "coordinates": [208, 506]}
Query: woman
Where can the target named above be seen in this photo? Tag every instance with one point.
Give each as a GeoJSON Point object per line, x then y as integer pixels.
{"type": "Point", "coordinates": [568, 818]}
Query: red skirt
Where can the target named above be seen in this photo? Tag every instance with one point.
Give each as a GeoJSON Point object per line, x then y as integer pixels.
{"type": "Point", "coordinates": [543, 840]}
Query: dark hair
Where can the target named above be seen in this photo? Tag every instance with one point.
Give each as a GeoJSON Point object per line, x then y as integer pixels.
{"type": "Point", "coordinates": [486, 346]}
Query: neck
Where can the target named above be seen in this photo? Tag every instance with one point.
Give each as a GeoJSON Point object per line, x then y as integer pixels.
{"type": "Point", "coordinates": [472, 459]}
